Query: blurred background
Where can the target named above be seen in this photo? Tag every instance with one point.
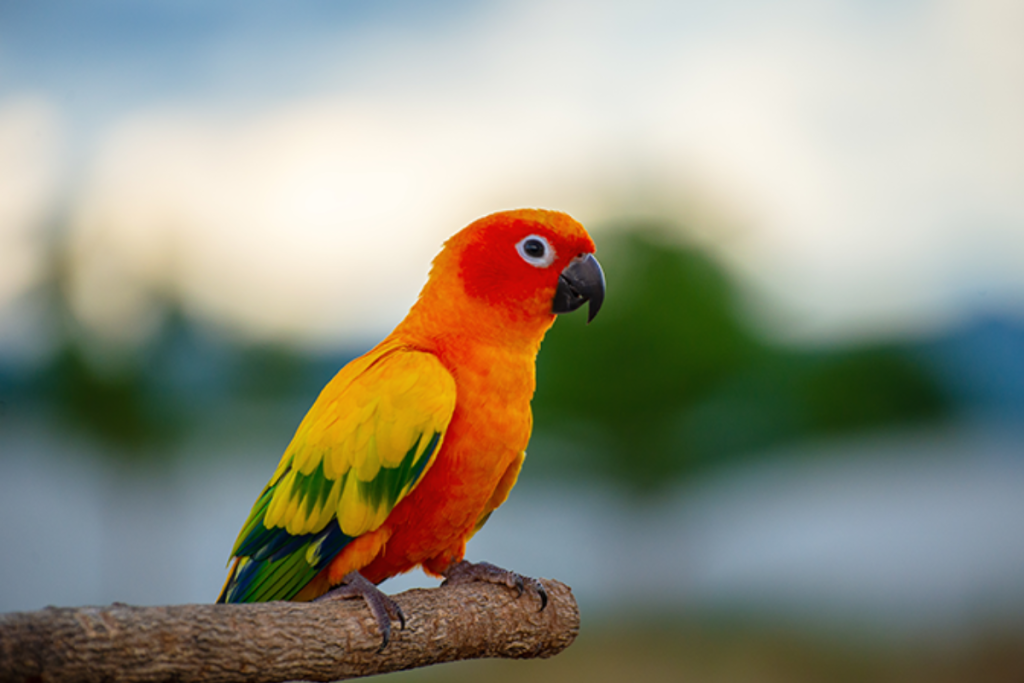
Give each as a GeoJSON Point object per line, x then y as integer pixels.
{"type": "Point", "coordinates": [791, 447]}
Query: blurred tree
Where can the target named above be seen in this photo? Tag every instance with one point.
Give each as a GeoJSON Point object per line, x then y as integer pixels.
{"type": "Point", "coordinates": [106, 392]}
{"type": "Point", "coordinates": [670, 379]}
{"type": "Point", "coordinates": [115, 405]}
{"type": "Point", "coordinates": [138, 400]}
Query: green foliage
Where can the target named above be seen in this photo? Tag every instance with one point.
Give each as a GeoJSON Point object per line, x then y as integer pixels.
{"type": "Point", "coordinates": [669, 379]}
{"type": "Point", "coordinates": [269, 371]}
{"type": "Point", "coordinates": [116, 405]}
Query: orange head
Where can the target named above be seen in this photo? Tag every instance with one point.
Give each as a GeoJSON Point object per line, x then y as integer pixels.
{"type": "Point", "coordinates": [509, 273]}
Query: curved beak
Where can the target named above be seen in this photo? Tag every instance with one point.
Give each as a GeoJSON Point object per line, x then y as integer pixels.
{"type": "Point", "coordinates": [581, 281]}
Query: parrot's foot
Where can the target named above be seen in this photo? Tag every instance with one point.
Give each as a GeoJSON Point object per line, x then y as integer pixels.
{"type": "Point", "coordinates": [382, 607]}
{"type": "Point", "coordinates": [462, 572]}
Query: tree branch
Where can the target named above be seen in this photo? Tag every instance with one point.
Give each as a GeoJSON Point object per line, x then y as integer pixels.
{"type": "Point", "coordinates": [281, 641]}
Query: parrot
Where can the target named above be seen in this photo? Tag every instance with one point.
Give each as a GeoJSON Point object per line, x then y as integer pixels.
{"type": "Point", "coordinates": [410, 447]}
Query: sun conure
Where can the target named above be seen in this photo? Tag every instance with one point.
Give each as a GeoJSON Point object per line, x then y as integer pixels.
{"type": "Point", "coordinates": [410, 447]}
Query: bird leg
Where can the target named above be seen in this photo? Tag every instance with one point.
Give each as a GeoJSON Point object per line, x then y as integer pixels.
{"type": "Point", "coordinates": [382, 607]}
{"type": "Point", "coordinates": [463, 572]}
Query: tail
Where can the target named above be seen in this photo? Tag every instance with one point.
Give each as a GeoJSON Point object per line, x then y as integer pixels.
{"type": "Point", "coordinates": [274, 565]}
{"type": "Point", "coordinates": [229, 583]}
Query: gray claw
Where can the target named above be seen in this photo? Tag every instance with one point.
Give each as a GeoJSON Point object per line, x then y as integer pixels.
{"type": "Point", "coordinates": [463, 571]}
{"type": "Point", "coordinates": [381, 606]}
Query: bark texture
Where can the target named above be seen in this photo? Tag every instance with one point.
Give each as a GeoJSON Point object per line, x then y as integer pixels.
{"type": "Point", "coordinates": [281, 641]}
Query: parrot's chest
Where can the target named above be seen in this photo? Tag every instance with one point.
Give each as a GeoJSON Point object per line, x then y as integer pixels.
{"type": "Point", "coordinates": [489, 430]}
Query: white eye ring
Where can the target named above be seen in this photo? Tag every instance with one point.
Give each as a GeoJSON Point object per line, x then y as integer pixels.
{"type": "Point", "coordinates": [536, 251]}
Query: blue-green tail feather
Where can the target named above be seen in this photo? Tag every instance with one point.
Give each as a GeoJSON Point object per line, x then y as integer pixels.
{"type": "Point", "coordinates": [282, 571]}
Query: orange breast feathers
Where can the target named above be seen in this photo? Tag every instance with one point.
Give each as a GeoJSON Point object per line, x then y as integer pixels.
{"type": "Point", "coordinates": [483, 449]}
{"type": "Point", "coordinates": [410, 448]}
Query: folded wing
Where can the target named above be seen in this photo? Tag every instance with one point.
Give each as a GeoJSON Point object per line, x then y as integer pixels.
{"type": "Point", "coordinates": [364, 445]}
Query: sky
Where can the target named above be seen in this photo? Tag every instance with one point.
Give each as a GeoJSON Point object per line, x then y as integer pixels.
{"type": "Point", "coordinates": [288, 170]}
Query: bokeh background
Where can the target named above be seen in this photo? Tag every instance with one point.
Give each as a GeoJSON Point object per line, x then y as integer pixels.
{"type": "Point", "coordinates": [791, 447]}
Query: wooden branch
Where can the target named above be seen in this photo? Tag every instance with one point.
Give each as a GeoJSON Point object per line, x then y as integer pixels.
{"type": "Point", "coordinates": [281, 641]}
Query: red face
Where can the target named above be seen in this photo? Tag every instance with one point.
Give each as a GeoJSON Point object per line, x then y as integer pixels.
{"type": "Point", "coordinates": [530, 260]}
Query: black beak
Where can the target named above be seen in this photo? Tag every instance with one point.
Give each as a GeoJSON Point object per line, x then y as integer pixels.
{"type": "Point", "coordinates": [581, 281]}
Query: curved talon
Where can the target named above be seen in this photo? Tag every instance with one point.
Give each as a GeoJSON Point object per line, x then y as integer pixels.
{"type": "Point", "coordinates": [381, 606]}
{"type": "Point", "coordinates": [400, 615]}
{"type": "Point", "coordinates": [542, 593]}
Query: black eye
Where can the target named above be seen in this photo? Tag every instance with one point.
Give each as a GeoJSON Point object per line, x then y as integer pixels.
{"type": "Point", "coordinates": [533, 248]}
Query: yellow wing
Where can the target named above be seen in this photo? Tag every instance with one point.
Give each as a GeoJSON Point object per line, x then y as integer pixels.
{"type": "Point", "coordinates": [364, 445]}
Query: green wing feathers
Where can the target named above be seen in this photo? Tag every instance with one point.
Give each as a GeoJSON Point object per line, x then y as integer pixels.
{"type": "Point", "coordinates": [364, 445]}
